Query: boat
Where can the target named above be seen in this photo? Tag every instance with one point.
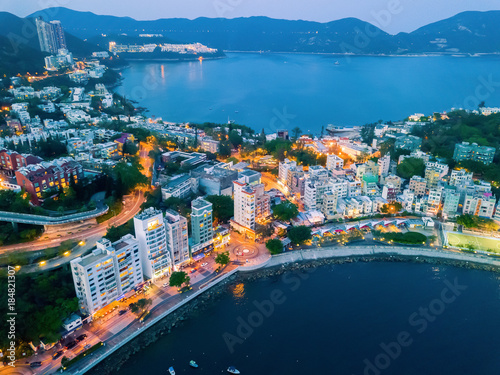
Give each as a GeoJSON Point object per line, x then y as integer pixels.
{"type": "Point", "coordinates": [337, 63]}
{"type": "Point", "coordinates": [171, 370]}
{"type": "Point", "coordinates": [342, 129]}
{"type": "Point", "coordinates": [232, 370]}
{"type": "Point", "coordinates": [193, 364]}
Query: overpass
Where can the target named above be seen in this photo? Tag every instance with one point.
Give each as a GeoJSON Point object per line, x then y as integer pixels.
{"type": "Point", "coordinates": [18, 218]}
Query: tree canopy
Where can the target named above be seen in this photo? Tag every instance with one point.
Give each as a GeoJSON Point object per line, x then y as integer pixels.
{"type": "Point", "coordinates": [300, 234]}
{"type": "Point", "coordinates": [274, 246]}
{"type": "Point", "coordinates": [222, 258]}
{"type": "Point", "coordinates": [223, 207]}
{"type": "Point", "coordinates": [410, 167]}
{"type": "Point", "coordinates": [285, 211]}
{"type": "Point", "coordinates": [177, 278]}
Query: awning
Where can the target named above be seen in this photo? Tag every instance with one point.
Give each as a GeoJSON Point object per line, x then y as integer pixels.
{"type": "Point", "coordinates": [199, 256]}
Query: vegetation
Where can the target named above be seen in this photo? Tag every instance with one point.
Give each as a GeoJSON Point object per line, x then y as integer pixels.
{"type": "Point", "coordinates": [299, 235]}
{"type": "Point", "coordinates": [278, 148]}
{"type": "Point", "coordinates": [65, 362]}
{"type": "Point", "coordinates": [264, 230]}
{"type": "Point", "coordinates": [274, 246]}
{"type": "Point", "coordinates": [43, 301]}
{"type": "Point", "coordinates": [409, 238]}
{"type": "Point", "coordinates": [368, 133]}
{"type": "Point", "coordinates": [470, 221]}
{"type": "Point", "coordinates": [115, 233]}
{"type": "Point", "coordinates": [410, 167]}
{"type": "Point", "coordinates": [285, 211]}
{"type": "Point", "coordinates": [127, 177]}
{"type": "Point", "coordinates": [223, 207]}
{"type": "Point", "coordinates": [140, 306]}
{"type": "Point", "coordinates": [177, 278]}
{"type": "Point", "coordinates": [391, 208]}
{"type": "Point", "coordinates": [222, 258]}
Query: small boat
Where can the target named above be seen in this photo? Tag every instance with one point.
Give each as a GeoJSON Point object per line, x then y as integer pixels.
{"type": "Point", "coordinates": [171, 371]}
{"type": "Point", "coordinates": [337, 63]}
{"type": "Point", "coordinates": [193, 364]}
{"type": "Point", "coordinates": [232, 370]}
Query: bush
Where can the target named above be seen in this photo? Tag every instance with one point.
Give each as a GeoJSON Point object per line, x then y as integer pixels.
{"type": "Point", "coordinates": [274, 246]}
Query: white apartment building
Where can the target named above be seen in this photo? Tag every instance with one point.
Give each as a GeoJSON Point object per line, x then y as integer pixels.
{"type": "Point", "coordinates": [334, 162]}
{"type": "Point", "coordinates": [482, 205]}
{"type": "Point", "coordinates": [151, 234]}
{"type": "Point", "coordinates": [284, 167]}
{"type": "Point", "coordinates": [460, 177]}
{"type": "Point", "coordinates": [176, 229]}
{"type": "Point", "coordinates": [314, 192]}
{"type": "Point", "coordinates": [439, 167]}
{"type": "Point", "coordinates": [434, 200]}
{"type": "Point", "coordinates": [450, 203]}
{"type": "Point", "coordinates": [244, 205]}
{"type": "Point", "coordinates": [107, 274]}
{"type": "Point", "coordinates": [384, 164]}
{"type": "Point", "coordinates": [317, 171]}
{"type": "Point", "coordinates": [202, 229]}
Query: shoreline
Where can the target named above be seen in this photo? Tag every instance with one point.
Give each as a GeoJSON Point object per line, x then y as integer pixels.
{"type": "Point", "coordinates": [337, 54]}
{"type": "Point", "coordinates": [277, 265]}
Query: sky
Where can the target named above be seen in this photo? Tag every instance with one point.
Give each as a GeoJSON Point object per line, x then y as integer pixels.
{"type": "Point", "coordinates": [392, 16]}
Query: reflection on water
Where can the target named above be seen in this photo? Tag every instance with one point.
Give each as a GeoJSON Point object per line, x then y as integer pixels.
{"type": "Point", "coordinates": [238, 291]}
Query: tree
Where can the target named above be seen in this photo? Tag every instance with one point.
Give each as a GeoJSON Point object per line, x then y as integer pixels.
{"type": "Point", "coordinates": [140, 306]}
{"type": "Point", "coordinates": [391, 208]}
{"type": "Point", "coordinates": [223, 207]}
{"type": "Point", "coordinates": [222, 258]}
{"type": "Point", "coordinates": [368, 133]}
{"type": "Point", "coordinates": [235, 138]}
{"type": "Point", "coordinates": [296, 132]}
{"type": "Point", "coordinates": [264, 230]}
{"type": "Point", "coordinates": [300, 234]}
{"type": "Point", "coordinates": [225, 149]}
{"type": "Point", "coordinates": [410, 167]}
{"type": "Point", "coordinates": [177, 278]}
{"type": "Point", "coordinates": [285, 211]}
{"type": "Point", "coordinates": [274, 246]}
{"type": "Point", "coordinates": [130, 148]}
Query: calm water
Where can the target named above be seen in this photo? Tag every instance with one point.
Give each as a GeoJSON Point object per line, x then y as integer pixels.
{"type": "Point", "coordinates": [335, 320]}
{"type": "Point", "coordinates": [285, 90]}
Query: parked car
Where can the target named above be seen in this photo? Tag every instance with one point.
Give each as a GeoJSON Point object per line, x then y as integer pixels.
{"type": "Point", "coordinates": [70, 345]}
{"type": "Point", "coordinates": [81, 337]}
{"type": "Point", "coordinates": [57, 354]}
{"type": "Point", "coordinates": [35, 364]}
{"type": "Point", "coordinates": [193, 270]}
{"type": "Point", "coordinates": [88, 346]}
{"type": "Point", "coordinates": [165, 285]}
{"type": "Point", "coordinates": [204, 264]}
{"type": "Point", "coordinates": [121, 312]}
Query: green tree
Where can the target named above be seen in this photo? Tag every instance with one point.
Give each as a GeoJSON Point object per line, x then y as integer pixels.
{"type": "Point", "coordinates": [296, 132]}
{"type": "Point", "coordinates": [235, 138]}
{"type": "Point", "coordinates": [410, 167]}
{"type": "Point", "coordinates": [222, 258]}
{"type": "Point", "coordinates": [225, 149]}
{"type": "Point", "coordinates": [223, 207]}
{"type": "Point", "coordinates": [299, 235]}
{"type": "Point", "coordinates": [264, 230]}
{"type": "Point", "coordinates": [368, 133]}
{"type": "Point", "coordinates": [130, 148]}
{"type": "Point", "coordinates": [467, 221]}
{"type": "Point", "coordinates": [274, 246]}
{"type": "Point", "coordinates": [285, 211]}
{"type": "Point", "coordinates": [177, 278]}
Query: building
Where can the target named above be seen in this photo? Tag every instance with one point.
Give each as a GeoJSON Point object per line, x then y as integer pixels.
{"type": "Point", "coordinates": [389, 192]}
{"type": "Point", "coordinates": [177, 237]}
{"type": "Point", "coordinates": [467, 151]}
{"type": "Point", "coordinates": [209, 145]}
{"type": "Point", "coordinates": [250, 202]}
{"type": "Point", "coordinates": [460, 177]}
{"type": "Point", "coordinates": [151, 234]}
{"type": "Point", "coordinates": [329, 205]}
{"type": "Point", "coordinates": [202, 230]}
{"type": "Point", "coordinates": [50, 35]}
{"type": "Point", "coordinates": [395, 181]}
{"type": "Point", "coordinates": [432, 177]}
{"type": "Point", "coordinates": [451, 202]}
{"type": "Point", "coordinates": [408, 142]}
{"type": "Point", "coordinates": [482, 205]}
{"type": "Point", "coordinates": [108, 274]}
{"type": "Point", "coordinates": [284, 167]}
{"type": "Point", "coordinates": [215, 179]}
{"type": "Point", "coordinates": [439, 167]}
{"type": "Point", "coordinates": [188, 158]}
{"type": "Point", "coordinates": [181, 186]}
{"type": "Point", "coordinates": [11, 161]}
{"type": "Point", "coordinates": [38, 178]}
{"type": "Point", "coordinates": [418, 185]}
{"type": "Point", "coordinates": [384, 163]}
{"type": "Point", "coordinates": [334, 162]}
{"type": "Point", "coordinates": [283, 134]}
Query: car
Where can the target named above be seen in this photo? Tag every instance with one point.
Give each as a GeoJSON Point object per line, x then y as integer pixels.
{"type": "Point", "coordinates": [35, 364]}
{"type": "Point", "coordinates": [70, 345]}
{"type": "Point", "coordinates": [81, 337]}
{"type": "Point", "coordinates": [217, 270]}
{"type": "Point", "coordinates": [121, 312]}
{"type": "Point", "coordinates": [57, 354]}
{"type": "Point", "coordinates": [165, 285]}
{"type": "Point", "coordinates": [193, 270]}
{"type": "Point", "coordinates": [185, 289]}
{"type": "Point", "coordinates": [204, 264]}
{"type": "Point", "coordinates": [88, 346]}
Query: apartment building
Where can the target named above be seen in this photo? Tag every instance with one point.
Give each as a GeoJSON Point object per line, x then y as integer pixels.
{"type": "Point", "coordinates": [202, 229]}
{"type": "Point", "coordinates": [467, 151]}
{"type": "Point", "coordinates": [108, 274]}
{"type": "Point", "coordinates": [418, 185]}
{"type": "Point", "coordinates": [334, 162]}
{"type": "Point", "coordinates": [482, 205]}
{"type": "Point", "coordinates": [176, 230]}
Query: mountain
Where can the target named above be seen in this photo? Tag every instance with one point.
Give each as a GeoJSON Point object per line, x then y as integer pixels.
{"type": "Point", "coordinates": [468, 32]}
{"type": "Point", "coordinates": [19, 58]}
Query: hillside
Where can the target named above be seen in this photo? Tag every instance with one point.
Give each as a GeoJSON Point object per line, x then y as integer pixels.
{"type": "Point", "coordinates": [19, 58]}
{"type": "Point", "coordinates": [468, 32]}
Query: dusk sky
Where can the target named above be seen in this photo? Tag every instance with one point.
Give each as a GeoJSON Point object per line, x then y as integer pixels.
{"type": "Point", "coordinates": [407, 15]}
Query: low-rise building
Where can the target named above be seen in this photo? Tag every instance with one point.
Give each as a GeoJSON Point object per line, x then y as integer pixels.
{"type": "Point", "coordinates": [181, 186]}
{"type": "Point", "coordinates": [468, 151]}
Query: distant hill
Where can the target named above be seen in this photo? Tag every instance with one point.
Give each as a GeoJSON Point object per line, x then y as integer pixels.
{"type": "Point", "coordinates": [19, 58]}
{"type": "Point", "coordinates": [468, 32]}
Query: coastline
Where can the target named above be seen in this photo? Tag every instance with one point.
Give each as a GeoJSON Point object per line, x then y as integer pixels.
{"type": "Point", "coordinates": [337, 54]}
{"type": "Point", "coordinates": [280, 264]}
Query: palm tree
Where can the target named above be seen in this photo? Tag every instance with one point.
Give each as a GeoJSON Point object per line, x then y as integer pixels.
{"type": "Point", "coordinates": [296, 132]}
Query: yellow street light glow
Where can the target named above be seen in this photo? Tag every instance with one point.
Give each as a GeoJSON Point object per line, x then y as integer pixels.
{"type": "Point", "coordinates": [81, 243]}
{"type": "Point", "coordinates": [42, 263]}
{"type": "Point", "coordinates": [66, 253]}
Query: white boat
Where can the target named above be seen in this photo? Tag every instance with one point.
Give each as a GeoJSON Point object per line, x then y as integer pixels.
{"type": "Point", "coordinates": [232, 370]}
{"type": "Point", "coordinates": [341, 129]}
{"type": "Point", "coordinates": [171, 371]}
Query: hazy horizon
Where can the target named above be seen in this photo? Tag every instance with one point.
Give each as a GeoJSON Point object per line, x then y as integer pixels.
{"type": "Point", "coordinates": [392, 16]}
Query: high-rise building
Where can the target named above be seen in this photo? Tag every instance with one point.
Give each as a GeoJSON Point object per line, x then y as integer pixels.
{"type": "Point", "coordinates": [250, 202]}
{"type": "Point", "coordinates": [177, 237]}
{"type": "Point", "coordinates": [333, 162]}
{"type": "Point", "coordinates": [202, 230]}
{"type": "Point", "coordinates": [150, 232]}
{"type": "Point", "coordinates": [50, 35]}
{"type": "Point", "coordinates": [467, 151]}
{"type": "Point", "coordinates": [107, 274]}
{"type": "Point", "coordinates": [383, 165]}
